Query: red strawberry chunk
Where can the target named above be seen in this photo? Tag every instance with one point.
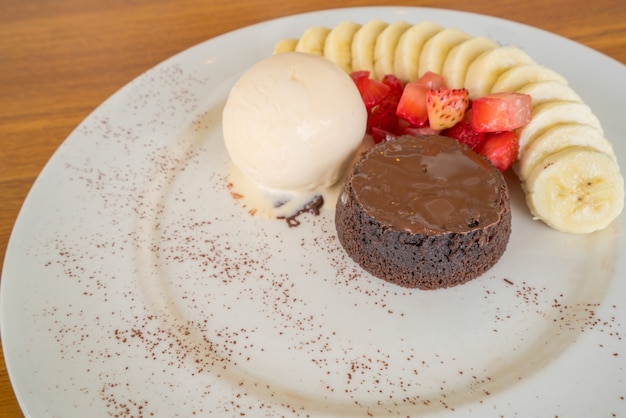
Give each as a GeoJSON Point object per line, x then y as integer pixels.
{"type": "Point", "coordinates": [464, 133]}
{"type": "Point", "coordinates": [380, 135]}
{"type": "Point", "coordinates": [419, 130]}
{"type": "Point", "coordinates": [412, 104]}
{"type": "Point", "coordinates": [501, 112]}
{"type": "Point", "coordinates": [372, 91]}
{"type": "Point", "coordinates": [432, 80]}
{"type": "Point", "coordinates": [383, 117]}
{"type": "Point", "coordinates": [357, 75]}
{"type": "Point", "coordinates": [396, 87]}
{"type": "Point", "coordinates": [500, 148]}
{"type": "Point", "coordinates": [446, 107]}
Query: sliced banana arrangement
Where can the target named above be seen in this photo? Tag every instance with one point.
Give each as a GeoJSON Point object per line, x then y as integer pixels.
{"type": "Point", "coordinates": [364, 45]}
{"type": "Point", "coordinates": [484, 71]}
{"type": "Point", "coordinates": [436, 50]}
{"type": "Point", "coordinates": [338, 44]}
{"type": "Point", "coordinates": [519, 76]}
{"type": "Point", "coordinates": [566, 165]}
{"type": "Point", "coordinates": [461, 56]}
{"type": "Point", "coordinates": [409, 48]}
{"type": "Point", "coordinates": [387, 41]}
{"type": "Point", "coordinates": [313, 40]}
{"type": "Point", "coordinates": [576, 189]}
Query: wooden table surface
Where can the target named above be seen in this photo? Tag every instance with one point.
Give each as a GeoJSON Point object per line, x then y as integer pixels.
{"type": "Point", "coordinates": [60, 59]}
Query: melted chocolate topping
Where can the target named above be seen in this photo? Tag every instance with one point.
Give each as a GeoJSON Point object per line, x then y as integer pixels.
{"type": "Point", "coordinates": [313, 207]}
{"type": "Point", "coordinates": [428, 184]}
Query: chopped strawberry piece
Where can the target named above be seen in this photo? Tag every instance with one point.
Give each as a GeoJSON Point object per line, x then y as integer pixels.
{"type": "Point", "coordinates": [372, 91]}
{"type": "Point", "coordinates": [420, 130]}
{"type": "Point", "coordinates": [427, 107]}
{"type": "Point", "coordinates": [396, 87]}
{"type": "Point", "coordinates": [380, 135]}
{"type": "Point", "coordinates": [432, 80]}
{"type": "Point", "coordinates": [500, 148]}
{"type": "Point", "coordinates": [357, 75]}
{"type": "Point", "coordinates": [412, 104]}
{"type": "Point", "coordinates": [383, 116]}
{"type": "Point", "coordinates": [464, 133]}
{"type": "Point", "coordinates": [446, 107]}
{"type": "Point", "coordinates": [501, 112]}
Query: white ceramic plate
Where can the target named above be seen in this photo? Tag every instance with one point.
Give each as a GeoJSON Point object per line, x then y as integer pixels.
{"type": "Point", "coordinates": [135, 286]}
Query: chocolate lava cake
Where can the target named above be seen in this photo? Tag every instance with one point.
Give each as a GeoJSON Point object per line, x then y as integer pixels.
{"type": "Point", "coordinates": [424, 212]}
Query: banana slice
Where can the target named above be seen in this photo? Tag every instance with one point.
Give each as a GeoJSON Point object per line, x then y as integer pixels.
{"type": "Point", "coordinates": [312, 40]}
{"type": "Point", "coordinates": [516, 77]}
{"type": "Point", "coordinates": [285, 45]}
{"type": "Point", "coordinates": [576, 190]}
{"type": "Point", "coordinates": [483, 72]}
{"type": "Point", "coordinates": [409, 48]}
{"type": "Point", "coordinates": [385, 48]}
{"type": "Point", "coordinates": [558, 137]}
{"type": "Point", "coordinates": [461, 56]}
{"type": "Point", "coordinates": [436, 49]}
{"type": "Point", "coordinates": [363, 45]}
{"type": "Point", "coordinates": [338, 44]}
{"type": "Point", "coordinates": [547, 91]}
{"type": "Point", "coordinates": [551, 113]}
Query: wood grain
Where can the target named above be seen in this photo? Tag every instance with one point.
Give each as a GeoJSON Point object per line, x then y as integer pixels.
{"type": "Point", "coordinates": [60, 59]}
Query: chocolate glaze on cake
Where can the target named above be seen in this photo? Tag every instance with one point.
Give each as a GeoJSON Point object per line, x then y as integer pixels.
{"type": "Point", "coordinates": [424, 212]}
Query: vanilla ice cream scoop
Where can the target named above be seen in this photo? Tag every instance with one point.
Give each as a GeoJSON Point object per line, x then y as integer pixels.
{"type": "Point", "coordinates": [293, 122]}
